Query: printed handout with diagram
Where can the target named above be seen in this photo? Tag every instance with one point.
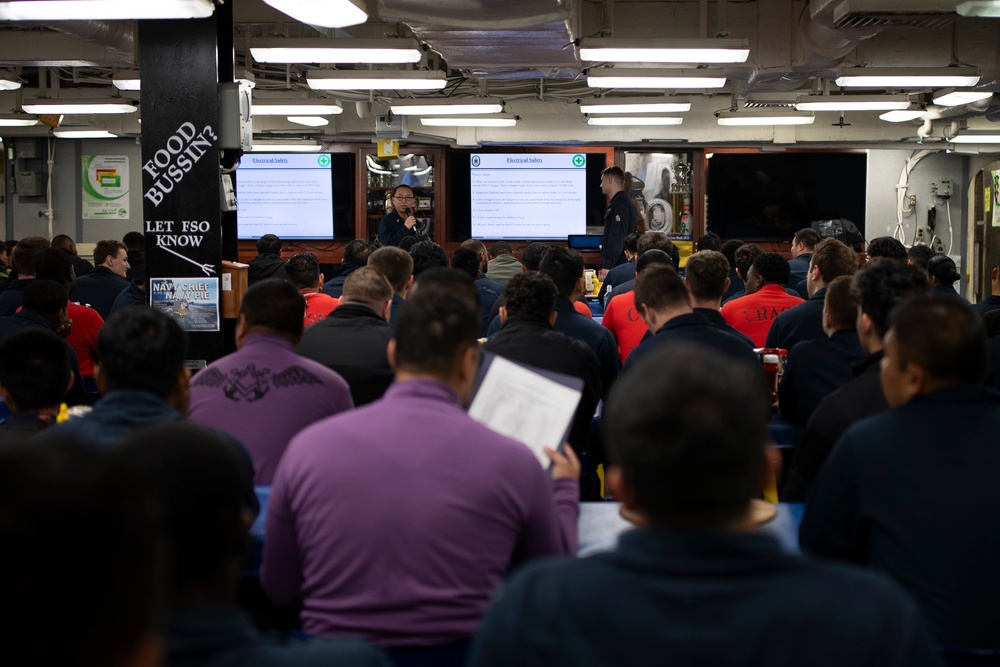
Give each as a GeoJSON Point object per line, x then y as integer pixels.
{"type": "Point", "coordinates": [533, 406]}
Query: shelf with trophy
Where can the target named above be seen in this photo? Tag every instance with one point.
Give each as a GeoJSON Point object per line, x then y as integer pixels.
{"type": "Point", "coordinates": [383, 175]}
{"type": "Point", "coordinates": [660, 187]}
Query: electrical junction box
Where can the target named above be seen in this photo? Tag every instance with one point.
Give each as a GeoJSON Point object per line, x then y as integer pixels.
{"type": "Point", "coordinates": [29, 183]}
{"type": "Point", "coordinates": [235, 124]}
{"type": "Point", "coordinates": [943, 188]}
{"type": "Point", "coordinates": [391, 127]}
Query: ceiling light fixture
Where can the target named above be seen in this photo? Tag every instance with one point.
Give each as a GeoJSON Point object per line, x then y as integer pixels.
{"type": "Point", "coordinates": [902, 115]}
{"type": "Point", "coordinates": [82, 10]}
{"type": "Point", "coordinates": [375, 80]}
{"type": "Point", "coordinates": [378, 51]}
{"type": "Point", "coordinates": [636, 105]}
{"type": "Point", "coordinates": [470, 121]}
{"type": "Point", "coordinates": [713, 51]}
{"type": "Point", "coordinates": [326, 13]}
{"type": "Point", "coordinates": [852, 102]}
{"type": "Point", "coordinates": [126, 80]}
{"type": "Point", "coordinates": [634, 120]}
{"type": "Point", "coordinates": [81, 106]}
{"type": "Point", "coordinates": [9, 81]}
{"type": "Point", "coordinates": [285, 147]}
{"type": "Point", "coordinates": [446, 106]}
{"type": "Point", "coordinates": [286, 107]}
{"type": "Point", "coordinates": [17, 120]}
{"type": "Point", "coordinates": [84, 134]}
{"type": "Point", "coordinates": [976, 137]}
{"type": "Point", "coordinates": [950, 97]}
{"type": "Point", "coordinates": [744, 118]}
{"type": "Point", "coordinates": [981, 8]}
{"type": "Point", "coordinates": [309, 121]}
{"type": "Point", "coordinates": [907, 77]}
{"type": "Point", "coordinates": [653, 78]}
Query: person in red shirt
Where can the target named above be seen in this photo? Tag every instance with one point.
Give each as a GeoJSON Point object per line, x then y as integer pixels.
{"type": "Point", "coordinates": [302, 271]}
{"type": "Point", "coordinates": [765, 299]}
{"type": "Point", "coordinates": [621, 316]}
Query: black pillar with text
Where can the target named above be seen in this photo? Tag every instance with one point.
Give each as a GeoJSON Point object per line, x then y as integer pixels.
{"type": "Point", "coordinates": [180, 178]}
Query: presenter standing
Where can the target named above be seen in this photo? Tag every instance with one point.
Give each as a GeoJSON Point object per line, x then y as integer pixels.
{"type": "Point", "coordinates": [619, 218]}
{"type": "Point", "coordinates": [400, 221]}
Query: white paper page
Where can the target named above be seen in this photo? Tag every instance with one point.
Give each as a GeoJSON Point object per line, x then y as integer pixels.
{"type": "Point", "coordinates": [525, 406]}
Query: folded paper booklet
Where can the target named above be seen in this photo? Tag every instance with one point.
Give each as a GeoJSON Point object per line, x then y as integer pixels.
{"type": "Point", "coordinates": [528, 404]}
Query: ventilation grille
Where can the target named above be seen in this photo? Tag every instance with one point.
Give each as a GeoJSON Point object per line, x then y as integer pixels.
{"type": "Point", "coordinates": [892, 20]}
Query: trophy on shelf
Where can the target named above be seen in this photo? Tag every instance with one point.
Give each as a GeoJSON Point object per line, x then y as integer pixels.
{"type": "Point", "coordinates": [680, 199]}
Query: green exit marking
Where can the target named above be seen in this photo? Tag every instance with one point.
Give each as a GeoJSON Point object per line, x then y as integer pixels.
{"type": "Point", "coordinates": [579, 160]}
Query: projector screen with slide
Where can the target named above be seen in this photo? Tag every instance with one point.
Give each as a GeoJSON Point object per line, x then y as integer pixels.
{"type": "Point", "coordinates": [290, 195]}
{"type": "Point", "coordinates": [528, 195]}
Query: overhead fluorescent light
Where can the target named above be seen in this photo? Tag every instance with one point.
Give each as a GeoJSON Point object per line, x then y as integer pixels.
{"type": "Point", "coordinates": [275, 147]}
{"type": "Point", "coordinates": [445, 106]}
{"type": "Point", "coordinates": [17, 120]}
{"type": "Point", "coordinates": [375, 80]}
{"type": "Point", "coordinates": [949, 97]}
{"type": "Point", "coordinates": [981, 8]}
{"type": "Point", "coordinates": [744, 118]}
{"type": "Point", "coordinates": [664, 50]}
{"type": "Point", "coordinates": [636, 105]}
{"type": "Point", "coordinates": [319, 50]}
{"type": "Point", "coordinates": [902, 115]}
{"type": "Point", "coordinates": [908, 77]}
{"type": "Point", "coordinates": [126, 80]}
{"type": "Point", "coordinates": [652, 78]}
{"type": "Point", "coordinates": [81, 106]}
{"type": "Point", "coordinates": [286, 107]}
{"type": "Point", "coordinates": [309, 121]}
{"type": "Point", "coordinates": [8, 81]}
{"type": "Point", "coordinates": [326, 13]}
{"type": "Point", "coordinates": [84, 134]}
{"type": "Point", "coordinates": [976, 137]}
{"type": "Point", "coordinates": [82, 10]}
{"type": "Point", "coordinates": [634, 120]}
{"type": "Point", "coordinates": [852, 102]}
{"type": "Point", "coordinates": [469, 121]}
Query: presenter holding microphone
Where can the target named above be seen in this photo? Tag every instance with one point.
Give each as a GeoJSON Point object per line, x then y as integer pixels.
{"type": "Point", "coordinates": [400, 221]}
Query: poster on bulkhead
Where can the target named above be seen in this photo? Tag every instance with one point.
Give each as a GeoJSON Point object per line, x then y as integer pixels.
{"type": "Point", "coordinates": [105, 187]}
{"type": "Point", "coordinates": [996, 198]}
{"type": "Point", "coordinates": [193, 302]}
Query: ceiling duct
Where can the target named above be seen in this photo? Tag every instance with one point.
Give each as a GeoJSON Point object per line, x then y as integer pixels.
{"type": "Point", "coordinates": [865, 14]}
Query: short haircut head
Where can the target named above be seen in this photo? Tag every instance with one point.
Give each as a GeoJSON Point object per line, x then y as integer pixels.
{"type": "Point", "coordinates": [614, 172]}
{"type": "Point", "coordinates": [274, 304]}
{"type": "Point", "coordinates": [26, 253]}
{"type": "Point", "coordinates": [834, 259]}
{"type": "Point", "coordinates": [773, 268]}
{"type": "Point", "coordinates": [651, 258]}
{"type": "Point", "coordinates": [920, 255]}
{"type": "Point", "coordinates": [269, 244]}
{"type": "Point", "coordinates": [63, 241]}
{"type": "Point", "coordinates": [533, 254]}
{"type": "Point", "coordinates": [142, 348]}
{"type": "Point", "coordinates": [368, 287]}
{"type": "Point", "coordinates": [729, 249]}
{"type": "Point", "coordinates": [531, 294]}
{"type": "Point", "coordinates": [943, 268]}
{"type": "Point", "coordinates": [709, 241]}
{"type": "Point", "coordinates": [707, 272]}
{"type": "Point", "coordinates": [884, 284]}
{"type": "Point", "coordinates": [35, 368]}
{"type": "Point", "coordinates": [408, 242]}
{"type": "Point", "coordinates": [807, 236]}
{"type": "Point", "coordinates": [659, 288]}
{"type": "Point", "coordinates": [394, 263]}
{"type": "Point", "coordinates": [501, 248]}
{"type": "Point", "coordinates": [886, 246]}
{"type": "Point", "coordinates": [302, 270]}
{"type": "Point", "coordinates": [134, 241]}
{"type": "Point", "coordinates": [631, 242]}
{"type": "Point", "coordinates": [438, 323]}
{"type": "Point", "coordinates": [943, 336]}
{"type": "Point", "coordinates": [841, 303]}
{"type": "Point", "coordinates": [356, 252]}
{"type": "Point", "coordinates": [688, 430]}
{"type": "Point", "coordinates": [565, 267]}
{"type": "Point", "coordinates": [474, 244]}
{"type": "Point", "coordinates": [428, 255]}
{"type": "Point", "coordinates": [54, 494]}
{"type": "Point", "coordinates": [745, 255]}
{"type": "Point", "coordinates": [45, 296]}
{"type": "Point", "coordinates": [53, 264]}
{"type": "Point", "coordinates": [654, 241]}
{"type": "Point", "coordinates": [467, 261]}
{"type": "Point", "coordinates": [107, 248]}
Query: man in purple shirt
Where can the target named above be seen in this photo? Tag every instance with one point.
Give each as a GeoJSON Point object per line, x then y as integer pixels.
{"type": "Point", "coordinates": [395, 522]}
{"type": "Point", "coordinates": [265, 393]}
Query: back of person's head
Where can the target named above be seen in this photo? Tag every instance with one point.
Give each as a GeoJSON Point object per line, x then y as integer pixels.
{"type": "Point", "coordinates": [269, 244]}
{"type": "Point", "coordinates": [631, 242]}
{"type": "Point", "coordinates": [45, 296]}
{"type": "Point", "coordinates": [356, 252]}
{"type": "Point", "coordinates": [745, 256]}
{"type": "Point", "coordinates": [63, 242]}
{"type": "Point", "coordinates": [729, 249]}
{"type": "Point", "coordinates": [394, 263]}
{"type": "Point", "coordinates": [707, 272]}
{"type": "Point", "coordinates": [883, 285]}
{"type": "Point", "coordinates": [428, 255]}
{"type": "Point", "coordinates": [834, 259]}
{"type": "Point", "coordinates": [841, 303]}
{"type": "Point", "coordinates": [944, 337]}
{"type": "Point", "coordinates": [467, 261]}
{"type": "Point", "coordinates": [943, 268]}
{"type": "Point", "coordinates": [709, 241]}
{"type": "Point", "coordinates": [25, 254]}
{"type": "Point", "coordinates": [134, 241]}
{"type": "Point", "coordinates": [302, 270]}
{"type": "Point", "coordinates": [502, 248]}
{"type": "Point", "coordinates": [660, 288]}
{"type": "Point", "coordinates": [274, 305]}
{"type": "Point", "coordinates": [530, 294]}
{"type": "Point", "coordinates": [408, 242]}
{"type": "Point", "coordinates": [107, 248]}
{"type": "Point", "coordinates": [35, 372]}
{"type": "Point", "coordinates": [808, 237]}
{"type": "Point", "coordinates": [77, 535]}
{"type": "Point", "coordinates": [654, 241]}
{"type": "Point", "coordinates": [688, 430]}
{"type": "Point", "coordinates": [651, 258]}
{"type": "Point", "coordinates": [772, 268]}
{"type": "Point", "coordinates": [615, 173]}
{"type": "Point", "coordinates": [565, 267]}
{"type": "Point", "coordinates": [54, 264]}
{"type": "Point", "coordinates": [368, 286]}
{"type": "Point", "coordinates": [475, 245]}
{"type": "Point", "coordinates": [438, 323]}
{"type": "Point", "coordinates": [141, 348]}
{"type": "Point", "coordinates": [196, 476]}
{"type": "Point", "coordinates": [919, 256]}
{"type": "Point", "coordinates": [888, 247]}
{"type": "Point", "coordinates": [533, 254]}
